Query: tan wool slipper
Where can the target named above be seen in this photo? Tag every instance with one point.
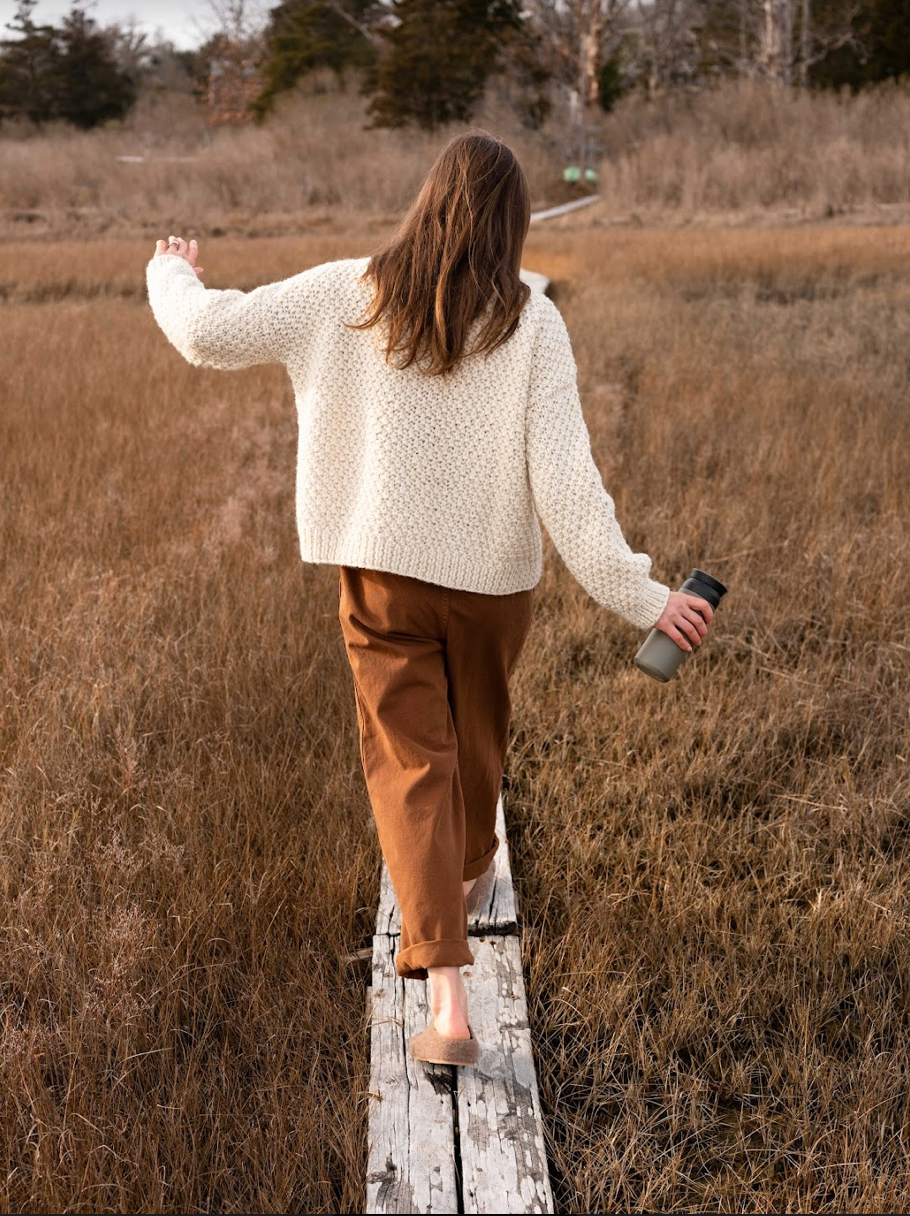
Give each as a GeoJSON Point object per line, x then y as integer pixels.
{"type": "Point", "coordinates": [481, 889]}
{"type": "Point", "coordinates": [433, 1048]}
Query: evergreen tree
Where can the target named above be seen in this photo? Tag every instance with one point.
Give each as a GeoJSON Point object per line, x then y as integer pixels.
{"type": "Point", "coordinates": [92, 89]}
{"type": "Point", "coordinates": [69, 73]}
{"type": "Point", "coordinates": [611, 83]}
{"type": "Point", "coordinates": [437, 61]}
{"type": "Point", "coordinates": [306, 34]}
{"type": "Point", "coordinates": [29, 68]}
{"type": "Point", "coordinates": [526, 76]}
{"type": "Point", "coordinates": [889, 46]}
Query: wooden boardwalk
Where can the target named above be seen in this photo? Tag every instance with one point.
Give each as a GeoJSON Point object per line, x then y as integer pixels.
{"type": "Point", "coordinates": [445, 1139]}
{"type": "Point", "coordinates": [563, 208]}
{"type": "Point", "coordinates": [537, 282]}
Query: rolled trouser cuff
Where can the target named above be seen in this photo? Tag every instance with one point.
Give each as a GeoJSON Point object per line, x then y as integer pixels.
{"type": "Point", "coordinates": [412, 963]}
{"type": "Point", "coordinates": [474, 869]}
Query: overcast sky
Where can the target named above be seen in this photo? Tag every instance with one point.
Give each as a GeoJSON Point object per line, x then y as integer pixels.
{"type": "Point", "coordinates": [186, 23]}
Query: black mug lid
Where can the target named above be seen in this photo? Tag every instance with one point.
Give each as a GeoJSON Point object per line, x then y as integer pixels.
{"type": "Point", "coordinates": [710, 584]}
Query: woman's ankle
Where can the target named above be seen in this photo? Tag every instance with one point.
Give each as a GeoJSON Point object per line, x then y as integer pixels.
{"type": "Point", "coordinates": [448, 1000]}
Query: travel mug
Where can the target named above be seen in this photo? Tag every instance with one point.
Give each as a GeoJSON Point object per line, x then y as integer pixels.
{"type": "Point", "coordinates": [659, 656]}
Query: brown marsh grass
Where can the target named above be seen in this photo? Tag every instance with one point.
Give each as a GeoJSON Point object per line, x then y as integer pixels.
{"type": "Point", "coordinates": [312, 166]}
{"type": "Point", "coordinates": [713, 875]}
{"type": "Point", "coordinates": [744, 146]}
{"type": "Point", "coordinates": [735, 151]}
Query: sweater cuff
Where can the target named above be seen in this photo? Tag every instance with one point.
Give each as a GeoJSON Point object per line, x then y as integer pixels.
{"type": "Point", "coordinates": [163, 263]}
{"type": "Point", "coordinates": [166, 265]}
{"type": "Point", "coordinates": [653, 600]}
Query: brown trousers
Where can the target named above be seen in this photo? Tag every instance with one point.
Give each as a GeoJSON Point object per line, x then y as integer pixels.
{"type": "Point", "coordinates": [431, 668]}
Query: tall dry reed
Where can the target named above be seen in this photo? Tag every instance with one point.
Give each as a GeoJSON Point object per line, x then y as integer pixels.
{"type": "Point", "coordinates": [742, 147]}
{"type": "Point", "coordinates": [713, 875]}
{"type": "Point", "coordinates": [730, 151]}
{"type": "Point", "coordinates": [314, 162]}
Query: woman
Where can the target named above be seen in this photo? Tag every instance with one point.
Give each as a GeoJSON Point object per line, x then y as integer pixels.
{"type": "Point", "coordinates": [438, 418]}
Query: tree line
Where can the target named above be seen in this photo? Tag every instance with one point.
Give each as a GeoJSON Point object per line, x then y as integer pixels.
{"type": "Point", "coordinates": [427, 62]}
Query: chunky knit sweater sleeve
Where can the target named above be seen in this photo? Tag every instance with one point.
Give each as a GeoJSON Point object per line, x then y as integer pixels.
{"type": "Point", "coordinates": [568, 492]}
{"type": "Point", "coordinates": [227, 328]}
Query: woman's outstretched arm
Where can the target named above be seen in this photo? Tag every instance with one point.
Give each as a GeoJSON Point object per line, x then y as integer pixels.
{"type": "Point", "coordinates": [568, 491]}
{"type": "Point", "coordinates": [227, 329]}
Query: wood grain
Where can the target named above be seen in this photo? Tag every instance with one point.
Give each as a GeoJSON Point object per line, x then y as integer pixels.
{"type": "Point", "coordinates": [444, 1139]}
{"type": "Point", "coordinates": [411, 1137]}
{"type": "Point", "coordinates": [503, 1158]}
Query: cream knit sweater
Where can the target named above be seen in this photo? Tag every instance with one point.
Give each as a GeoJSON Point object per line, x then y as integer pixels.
{"type": "Point", "coordinates": [438, 478]}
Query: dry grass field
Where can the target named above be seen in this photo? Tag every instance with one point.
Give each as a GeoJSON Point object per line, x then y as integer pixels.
{"type": "Point", "coordinates": [739, 150]}
{"type": "Point", "coordinates": [714, 875]}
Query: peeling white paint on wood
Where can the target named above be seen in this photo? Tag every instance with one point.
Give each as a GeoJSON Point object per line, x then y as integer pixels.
{"type": "Point", "coordinates": [445, 1139]}
{"type": "Point", "coordinates": [411, 1137]}
{"type": "Point", "coordinates": [503, 1158]}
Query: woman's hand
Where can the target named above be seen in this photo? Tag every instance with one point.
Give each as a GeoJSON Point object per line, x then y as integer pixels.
{"type": "Point", "coordinates": [179, 248]}
{"type": "Point", "coordinates": [685, 616]}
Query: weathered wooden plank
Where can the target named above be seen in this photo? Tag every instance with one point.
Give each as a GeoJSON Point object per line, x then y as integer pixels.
{"type": "Point", "coordinates": [411, 1135]}
{"type": "Point", "coordinates": [503, 1158]}
{"type": "Point", "coordinates": [535, 280]}
{"type": "Point", "coordinates": [456, 1139]}
{"type": "Point", "coordinates": [388, 917]}
{"type": "Point", "coordinates": [495, 915]}
{"type": "Point", "coordinates": [413, 1145]}
{"type": "Point", "coordinates": [564, 208]}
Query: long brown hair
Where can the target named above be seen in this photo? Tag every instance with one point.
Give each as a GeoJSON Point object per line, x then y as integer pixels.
{"type": "Point", "coordinates": [457, 250]}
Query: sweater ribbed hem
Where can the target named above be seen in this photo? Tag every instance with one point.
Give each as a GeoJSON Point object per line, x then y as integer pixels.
{"type": "Point", "coordinates": [448, 569]}
{"type": "Point", "coordinates": [455, 570]}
